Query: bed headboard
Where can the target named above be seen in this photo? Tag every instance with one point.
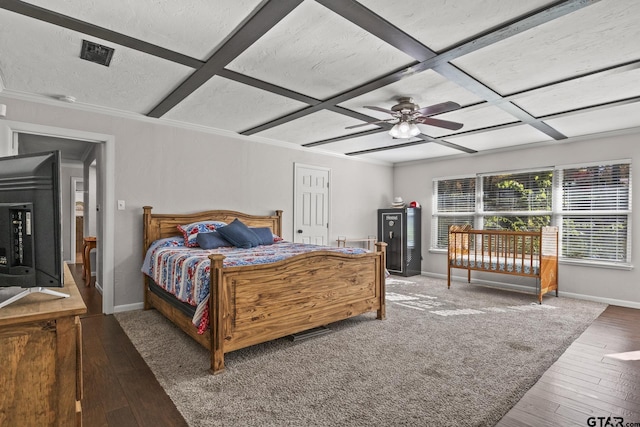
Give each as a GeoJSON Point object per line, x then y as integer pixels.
{"type": "Point", "coordinates": [158, 226]}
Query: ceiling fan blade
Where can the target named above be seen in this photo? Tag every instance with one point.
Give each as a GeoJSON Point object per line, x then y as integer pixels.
{"type": "Point", "coordinates": [368, 123]}
{"type": "Point", "coordinates": [384, 110]}
{"type": "Point", "coordinates": [439, 123]}
{"type": "Point", "coordinates": [439, 108]}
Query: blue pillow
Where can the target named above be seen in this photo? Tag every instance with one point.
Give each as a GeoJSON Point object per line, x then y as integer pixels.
{"type": "Point", "coordinates": [211, 240]}
{"type": "Point", "coordinates": [238, 234]}
{"type": "Point", "coordinates": [264, 235]}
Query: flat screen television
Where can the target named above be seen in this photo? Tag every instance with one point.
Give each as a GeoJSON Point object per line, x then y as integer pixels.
{"type": "Point", "coordinates": [30, 224]}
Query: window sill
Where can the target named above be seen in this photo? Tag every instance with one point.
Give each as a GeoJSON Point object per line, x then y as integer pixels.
{"type": "Point", "coordinates": [596, 264]}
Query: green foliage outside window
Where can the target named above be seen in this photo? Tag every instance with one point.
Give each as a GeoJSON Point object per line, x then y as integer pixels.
{"type": "Point", "coordinates": [522, 192]}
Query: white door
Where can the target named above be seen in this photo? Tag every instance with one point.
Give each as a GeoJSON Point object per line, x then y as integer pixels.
{"type": "Point", "coordinates": [311, 200]}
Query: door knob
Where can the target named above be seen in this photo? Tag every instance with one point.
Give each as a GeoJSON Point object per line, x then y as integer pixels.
{"type": "Point", "coordinates": [299, 231]}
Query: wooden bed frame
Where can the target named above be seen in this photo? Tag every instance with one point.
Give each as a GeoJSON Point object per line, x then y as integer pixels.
{"type": "Point", "coordinates": [259, 303]}
{"type": "Point", "coordinates": [498, 251]}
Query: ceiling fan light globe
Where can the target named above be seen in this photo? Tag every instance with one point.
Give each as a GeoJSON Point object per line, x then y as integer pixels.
{"type": "Point", "coordinates": [414, 130]}
{"type": "Point", "coordinates": [395, 132]}
{"type": "Point", "coordinates": [402, 130]}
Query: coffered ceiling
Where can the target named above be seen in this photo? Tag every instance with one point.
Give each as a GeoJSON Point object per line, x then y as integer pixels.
{"type": "Point", "coordinates": [301, 71]}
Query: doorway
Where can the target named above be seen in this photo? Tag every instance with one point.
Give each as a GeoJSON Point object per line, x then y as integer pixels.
{"type": "Point", "coordinates": [311, 204]}
{"type": "Point", "coordinates": [101, 150]}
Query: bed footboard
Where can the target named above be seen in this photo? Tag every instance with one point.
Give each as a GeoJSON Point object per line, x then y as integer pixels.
{"type": "Point", "coordinates": [520, 253]}
{"type": "Point", "coordinates": [260, 303]}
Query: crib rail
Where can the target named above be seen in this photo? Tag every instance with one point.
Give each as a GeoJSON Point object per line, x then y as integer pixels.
{"type": "Point", "coordinates": [495, 250]}
{"type": "Point", "coordinates": [522, 253]}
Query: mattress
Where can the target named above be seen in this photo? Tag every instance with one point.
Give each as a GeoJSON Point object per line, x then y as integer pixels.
{"type": "Point", "coordinates": [184, 272]}
{"type": "Point", "coordinates": [498, 264]}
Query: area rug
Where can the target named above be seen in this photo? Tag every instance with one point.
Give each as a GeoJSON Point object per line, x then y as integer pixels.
{"type": "Point", "coordinates": [447, 357]}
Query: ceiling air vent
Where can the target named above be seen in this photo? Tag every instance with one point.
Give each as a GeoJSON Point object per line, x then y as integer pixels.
{"type": "Point", "coordinates": [96, 53]}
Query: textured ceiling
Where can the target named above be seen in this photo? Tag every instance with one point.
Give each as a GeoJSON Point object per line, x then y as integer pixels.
{"type": "Point", "coordinates": [301, 71]}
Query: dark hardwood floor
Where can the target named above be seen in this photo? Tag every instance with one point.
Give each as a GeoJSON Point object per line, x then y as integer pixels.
{"type": "Point", "coordinates": [586, 381]}
{"type": "Point", "coordinates": [589, 382]}
{"type": "Point", "coordinates": [119, 388]}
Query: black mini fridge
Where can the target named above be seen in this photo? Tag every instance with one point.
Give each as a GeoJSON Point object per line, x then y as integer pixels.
{"type": "Point", "coordinates": [399, 228]}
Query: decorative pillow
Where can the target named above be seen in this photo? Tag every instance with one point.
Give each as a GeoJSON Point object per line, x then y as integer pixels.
{"type": "Point", "coordinates": [211, 240]}
{"type": "Point", "coordinates": [190, 231]}
{"type": "Point", "coordinates": [264, 234]}
{"type": "Point", "coordinates": [239, 234]}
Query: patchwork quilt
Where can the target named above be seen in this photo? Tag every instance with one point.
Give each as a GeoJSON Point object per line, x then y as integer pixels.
{"type": "Point", "coordinates": [185, 271]}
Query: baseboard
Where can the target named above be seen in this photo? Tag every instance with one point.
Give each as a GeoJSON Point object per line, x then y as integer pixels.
{"type": "Point", "coordinates": [128, 307]}
{"type": "Point", "coordinates": [524, 288]}
{"type": "Point", "coordinates": [610, 301]}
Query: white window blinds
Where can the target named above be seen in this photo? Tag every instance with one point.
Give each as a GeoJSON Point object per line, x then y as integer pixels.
{"type": "Point", "coordinates": [590, 203]}
{"type": "Point", "coordinates": [518, 192]}
{"type": "Point", "coordinates": [456, 195]}
{"type": "Point", "coordinates": [596, 207]}
{"type": "Point", "coordinates": [455, 204]}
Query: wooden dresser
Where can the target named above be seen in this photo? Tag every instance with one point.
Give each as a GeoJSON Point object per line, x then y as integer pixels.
{"type": "Point", "coordinates": [41, 359]}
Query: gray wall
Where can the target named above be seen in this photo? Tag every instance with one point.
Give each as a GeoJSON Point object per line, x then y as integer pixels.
{"type": "Point", "coordinates": [615, 286]}
{"type": "Point", "coordinates": [179, 170]}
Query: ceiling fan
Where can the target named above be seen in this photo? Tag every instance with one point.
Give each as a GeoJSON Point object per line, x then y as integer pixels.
{"type": "Point", "coordinates": [408, 114]}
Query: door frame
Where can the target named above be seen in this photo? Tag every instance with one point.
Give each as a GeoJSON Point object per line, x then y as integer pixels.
{"type": "Point", "coordinates": [105, 150]}
{"type": "Point", "coordinates": [297, 166]}
{"type": "Point", "coordinates": [74, 184]}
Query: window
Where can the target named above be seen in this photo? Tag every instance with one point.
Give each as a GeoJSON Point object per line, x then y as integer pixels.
{"type": "Point", "coordinates": [595, 212]}
{"type": "Point", "coordinates": [455, 201]}
{"type": "Point", "coordinates": [590, 203]}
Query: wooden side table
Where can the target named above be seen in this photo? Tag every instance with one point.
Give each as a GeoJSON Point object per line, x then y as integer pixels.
{"type": "Point", "coordinates": [89, 243]}
{"type": "Point", "coordinates": [41, 348]}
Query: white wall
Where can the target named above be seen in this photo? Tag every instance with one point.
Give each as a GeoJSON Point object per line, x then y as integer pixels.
{"type": "Point", "coordinates": [90, 200]}
{"type": "Point", "coordinates": [620, 287]}
{"type": "Point", "coordinates": [68, 171]}
{"type": "Point", "coordinates": [178, 170]}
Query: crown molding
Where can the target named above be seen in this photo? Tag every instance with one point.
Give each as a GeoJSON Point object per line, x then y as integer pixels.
{"type": "Point", "coordinates": [114, 112]}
